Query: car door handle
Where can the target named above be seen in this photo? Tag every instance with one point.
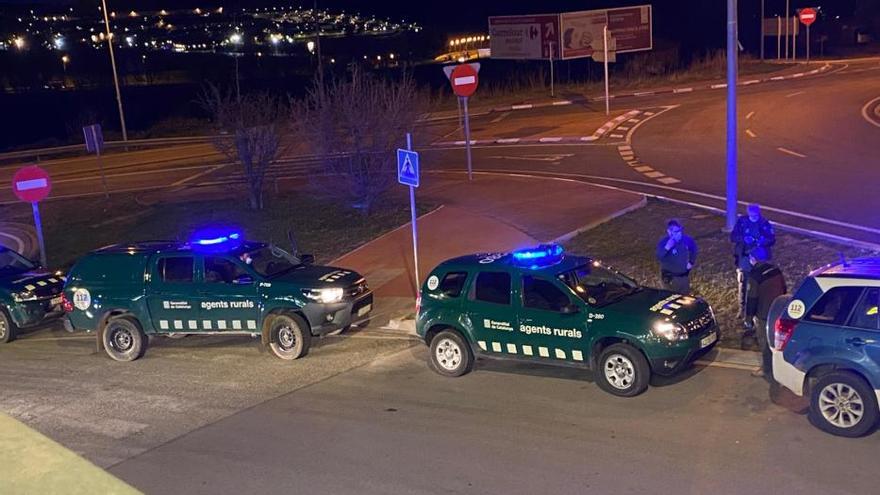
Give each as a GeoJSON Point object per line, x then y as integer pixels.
{"type": "Point", "coordinates": [856, 341]}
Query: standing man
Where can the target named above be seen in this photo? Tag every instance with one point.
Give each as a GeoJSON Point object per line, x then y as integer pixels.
{"type": "Point", "coordinates": [750, 232]}
{"type": "Point", "coordinates": [677, 254]}
{"type": "Point", "coordinates": [765, 284]}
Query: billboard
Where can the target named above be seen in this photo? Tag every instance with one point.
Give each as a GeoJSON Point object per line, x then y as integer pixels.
{"type": "Point", "coordinates": [582, 31]}
{"type": "Point", "coordinates": [524, 37]}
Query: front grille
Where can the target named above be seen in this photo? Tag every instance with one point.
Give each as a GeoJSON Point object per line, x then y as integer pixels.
{"type": "Point", "coordinates": [357, 288]}
{"type": "Point", "coordinates": [700, 323]}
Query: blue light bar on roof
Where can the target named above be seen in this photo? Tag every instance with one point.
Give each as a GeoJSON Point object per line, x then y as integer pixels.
{"type": "Point", "coordinates": [218, 239]}
{"type": "Point", "coordinates": [545, 253]}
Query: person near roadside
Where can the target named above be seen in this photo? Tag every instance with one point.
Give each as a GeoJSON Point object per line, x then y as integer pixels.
{"type": "Point", "coordinates": [766, 283]}
{"type": "Point", "coordinates": [750, 232]}
{"type": "Point", "coordinates": [677, 254]}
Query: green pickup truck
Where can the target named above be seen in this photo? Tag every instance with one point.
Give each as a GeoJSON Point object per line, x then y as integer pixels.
{"type": "Point", "coordinates": [542, 305]}
{"type": "Point", "coordinates": [215, 285]}
{"type": "Point", "coordinates": [28, 295]}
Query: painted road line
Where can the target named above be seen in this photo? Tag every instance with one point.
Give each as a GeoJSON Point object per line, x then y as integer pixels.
{"type": "Point", "coordinates": [718, 86]}
{"type": "Point", "coordinates": [507, 140]}
{"type": "Point", "coordinates": [636, 121]}
{"type": "Point", "coordinates": [751, 134]}
{"type": "Point", "coordinates": [550, 140]}
{"type": "Point", "coordinates": [669, 180]}
{"type": "Point", "coordinates": [799, 74]}
{"type": "Point", "coordinates": [498, 118]}
{"type": "Point", "coordinates": [633, 163]}
{"type": "Point", "coordinates": [649, 113]}
{"type": "Point", "coordinates": [624, 147]}
{"type": "Point", "coordinates": [17, 240]}
{"type": "Point", "coordinates": [643, 169]}
{"type": "Point", "coordinates": [589, 138]}
{"type": "Point", "coordinates": [747, 83]}
{"type": "Point", "coordinates": [198, 175]}
{"type": "Point", "coordinates": [618, 136]}
{"type": "Point", "coordinates": [790, 152]}
{"type": "Point", "coordinates": [655, 175]}
{"type": "Point", "coordinates": [682, 90]}
{"type": "Point", "coordinates": [622, 128]}
{"type": "Point", "coordinates": [522, 107]}
{"type": "Point", "coordinates": [644, 93]}
{"type": "Point", "coordinates": [563, 102]}
{"type": "Point", "coordinates": [750, 115]}
{"type": "Point", "coordinates": [867, 116]}
{"type": "Point", "coordinates": [777, 78]}
{"type": "Point", "coordinates": [795, 94]}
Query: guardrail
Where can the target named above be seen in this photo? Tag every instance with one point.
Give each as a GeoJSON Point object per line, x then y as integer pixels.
{"type": "Point", "coordinates": [131, 143]}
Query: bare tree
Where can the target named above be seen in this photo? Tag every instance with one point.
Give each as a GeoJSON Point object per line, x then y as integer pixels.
{"type": "Point", "coordinates": [252, 129]}
{"type": "Point", "coordinates": [354, 127]}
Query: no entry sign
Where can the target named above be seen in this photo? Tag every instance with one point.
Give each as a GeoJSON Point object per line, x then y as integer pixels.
{"type": "Point", "coordinates": [31, 184]}
{"type": "Point", "coordinates": [807, 16]}
{"type": "Point", "coordinates": [464, 80]}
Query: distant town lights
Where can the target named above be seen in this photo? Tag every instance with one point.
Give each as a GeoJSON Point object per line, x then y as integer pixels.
{"type": "Point", "coordinates": [311, 46]}
{"type": "Point", "coordinates": [235, 38]}
{"type": "Point", "coordinates": [19, 43]}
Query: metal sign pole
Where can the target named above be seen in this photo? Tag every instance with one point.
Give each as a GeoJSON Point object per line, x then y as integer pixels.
{"type": "Point", "coordinates": [552, 85]}
{"type": "Point", "coordinates": [607, 96]}
{"type": "Point", "coordinates": [762, 30]}
{"type": "Point", "coordinates": [786, 28]}
{"type": "Point", "coordinates": [808, 43]}
{"type": "Point", "coordinates": [778, 38]}
{"type": "Point", "coordinates": [731, 114]}
{"type": "Point", "coordinates": [794, 21]}
{"type": "Point", "coordinates": [460, 123]}
{"type": "Point", "coordinates": [412, 207]}
{"type": "Point", "coordinates": [467, 138]}
{"type": "Point", "coordinates": [38, 223]}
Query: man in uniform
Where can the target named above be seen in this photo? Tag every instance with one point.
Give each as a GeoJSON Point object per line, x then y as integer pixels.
{"type": "Point", "coordinates": [750, 232]}
{"type": "Point", "coordinates": [677, 254]}
{"type": "Point", "coordinates": [765, 284]}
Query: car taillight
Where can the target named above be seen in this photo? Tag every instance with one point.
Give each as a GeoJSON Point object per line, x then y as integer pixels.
{"type": "Point", "coordinates": [66, 305]}
{"type": "Point", "coordinates": [783, 329]}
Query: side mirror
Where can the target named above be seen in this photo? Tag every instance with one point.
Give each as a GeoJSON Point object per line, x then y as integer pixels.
{"type": "Point", "coordinates": [243, 280]}
{"type": "Point", "coordinates": [307, 259]}
{"type": "Point", "coordinates": [569, 309]}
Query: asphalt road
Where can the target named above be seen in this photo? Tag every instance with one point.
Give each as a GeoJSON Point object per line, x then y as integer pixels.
{"type": "Point", "coordinates": [393, 426]}
{"type": "Point", "coordinates": [806, 149]}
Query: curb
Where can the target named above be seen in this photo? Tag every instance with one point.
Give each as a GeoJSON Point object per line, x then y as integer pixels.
{"type": "Point", "coordinates": [637, 94]}
{"type": "Point", "coordinates": [565, 237]}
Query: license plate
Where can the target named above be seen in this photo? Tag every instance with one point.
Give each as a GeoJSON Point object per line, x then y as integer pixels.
{"type": "Point", "coordinates": [364, 310]}
{"type": "Point", "coordinates": [708, 340]}
{"type": "Point", "coordinates": [55, 301]}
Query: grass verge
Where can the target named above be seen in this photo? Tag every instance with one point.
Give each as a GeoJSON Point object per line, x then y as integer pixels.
{"type": "Point", "coordinates": [628, 244]}
{"type": "Point", "coordinates": [323, 227]}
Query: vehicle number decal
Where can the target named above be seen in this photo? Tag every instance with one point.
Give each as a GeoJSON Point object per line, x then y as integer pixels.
{"type": "Point", "coordinates": [796, 309]}
{"type": "Point", "coordinates": [433, 282]}
{"type": "Point", "coordinates": [82, 299]}
{"type": "Point", "coordinates": [490, 258]}
{"type": "Point", "coordinates": [597, 316]}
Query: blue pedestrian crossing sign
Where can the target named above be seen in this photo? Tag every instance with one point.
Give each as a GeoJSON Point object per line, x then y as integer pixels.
{"type": "Point", "coordinates": [408, 167]}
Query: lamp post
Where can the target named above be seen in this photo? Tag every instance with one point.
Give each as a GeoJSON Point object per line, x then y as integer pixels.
{"type": "Point", "coordinates": [113, 65]}
{"type": "Point", "coordinates": [236, 40]}
{"type": "Point", "coordinates": [731, 114]}
{"type": "Point", "coordinates": [64, 61]}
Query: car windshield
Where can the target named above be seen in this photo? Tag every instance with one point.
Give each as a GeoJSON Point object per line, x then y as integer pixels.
{"type": "Point", "coordinates": [598, 285]}
{"type": "Point", "coordinates": [269, 261]}
{"type": "Point", "coordinates": [12, 262]}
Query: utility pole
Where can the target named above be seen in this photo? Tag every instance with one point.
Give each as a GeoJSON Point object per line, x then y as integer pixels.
{"type": "Point", "coordinates": [786, 28]}
{"type": "Point", "coordinates": [762, 30]}
{"type": "Point", "coordinates": [318, 39]}
{"type": "Point", "coordinates": [731, 114]}
{"type": "Point", "coordinates": [113, 64]}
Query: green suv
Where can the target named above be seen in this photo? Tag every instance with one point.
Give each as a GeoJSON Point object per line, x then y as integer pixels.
{"type": "Point", "coordinates": [28, 295]}
{"type": "Point", "coordinates": [216, 284]}
{"type": "Point", "coordinates": [542, 305]}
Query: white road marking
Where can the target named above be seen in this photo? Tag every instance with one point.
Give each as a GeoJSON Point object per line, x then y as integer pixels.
{"type": "Point", "coordinates": [682, 90]}
{"type": "Point", "coordinates": [655, 175]}
{"type": "Point", "coordinates": [499, 118]}
{"type": "Point", "coordinates": [669, 180]}
{"type": "Point", "coordinates": [644, 93]}
{"type": "Point", "coordinates": [622, 128]}
{"type": "Point", "coordinates": [521, 107]}
{"type": "Point", "coordinates": [643, 169]}
{"type": "Point", "coordinates": [619, 136]}
{"type": "Point", "coordinates": [624, 147]}
{"type": "Point", "coordinates": [550, 140]}
{"type": "Point", "coordinates": [867, 116]}
{"type": "Point", "coordinates": [790, 152]}
{"type": "Point", "coordinates": [753, 81]}
{"type": "Point", "coordinates": [534, 158]}
{"type": "Point", "coordinates": [198, 175]}
{"type": "Point", "coordinates": [718, 86]}
{"type": "Point", "coordinates": [795, 94]}
{"type": "Point", "coordinates": [777, 78]}
{"type": "Point", "coordinates": [750, 115]}
{"type": "Point", "coordinates": [799, 74]}
{"type": "Point", "coordinates": [589, 138]}
{"type": "Point", "coordinates": [636, 121]}
{"type": "Point", "coordinates": [508, 141]}
{"type": "Point", "coordinates": [17, 240]}
{"type": "Point", "coordinates": [751, 134]}
{"type": "Point", "coordinates": [563, 102]}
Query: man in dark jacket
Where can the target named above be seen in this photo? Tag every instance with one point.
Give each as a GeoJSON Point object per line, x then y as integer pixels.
{"type": "Point", "coordinates": [677, 254]}
{"type": "Point", "coordinates": [766, 283]}
{"type": "Point", "coordinates": [750, 232]}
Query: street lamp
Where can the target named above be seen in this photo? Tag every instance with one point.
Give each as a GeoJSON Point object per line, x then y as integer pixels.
{"type": "Point", "coordinates": [236, 39]}
{"type": "Point", "coordinates": [109, 39]}
{"type": "Point", "coordinates": [64, 61]}
{"type": "Point", "coordinates": [18, 41]}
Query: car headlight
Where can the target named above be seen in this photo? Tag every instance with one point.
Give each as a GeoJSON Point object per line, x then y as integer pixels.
{"type": "Point", "coordinates": [24, 296]}
{"type": "Point", "coordinates": [670, 331]}
{"type": "Point", "coordinates": [326, 296]}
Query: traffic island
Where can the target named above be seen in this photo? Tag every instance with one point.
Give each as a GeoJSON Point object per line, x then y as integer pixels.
{"type": "Point", "coordinates": [628, 243]}
{"type": "Point", "coordinates": [35, 464]}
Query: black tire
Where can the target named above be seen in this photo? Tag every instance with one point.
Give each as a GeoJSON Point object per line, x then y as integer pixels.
{"type": "Point", "coordinates": [289, 336]}
{"type": "Point", "coordinates": [622, 370]}
{"type": "Point", "coordinates": [7, 327]}
{"type": "Point", "coordinates": [854, 416]}
{"type": "Point", "coordinates": [123, 339]}
{"type": "Point", "coordinates": [451, 355]}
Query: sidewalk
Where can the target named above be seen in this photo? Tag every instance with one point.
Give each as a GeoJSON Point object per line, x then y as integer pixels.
{"type": "Point", "coordinates": [490, 214]}
{"type": "Point", "coordinates": [34, 464]}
